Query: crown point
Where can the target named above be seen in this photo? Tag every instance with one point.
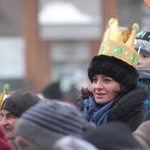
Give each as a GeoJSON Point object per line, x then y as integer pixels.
{"type": "Point", "coordinates": [6, 87]}
{"type": "Point", "coordinates": [111, 21]}
{"type": "Point", "coordinates": [136, 26]}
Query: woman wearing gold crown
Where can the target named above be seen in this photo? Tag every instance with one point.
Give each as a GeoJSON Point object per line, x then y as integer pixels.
{"type": "Point", "coordinates": [114, 94]}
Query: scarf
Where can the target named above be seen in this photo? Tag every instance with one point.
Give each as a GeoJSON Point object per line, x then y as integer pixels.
{"type": "Point", "coordinates": [144, 73]}
{"type": "Point", "coordinates": [96, 113]}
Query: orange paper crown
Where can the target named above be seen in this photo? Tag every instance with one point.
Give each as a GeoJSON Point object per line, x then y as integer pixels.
{"type": "Point", "coordinates": [147, 2]}
{"type": "Point", "coordinates": [113, 43]}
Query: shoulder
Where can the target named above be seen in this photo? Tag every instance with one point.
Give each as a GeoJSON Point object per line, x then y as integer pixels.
{"type": "Point", "coordinates": [131, 103]}
{"type": "Point", "coordinates": [136, 96]}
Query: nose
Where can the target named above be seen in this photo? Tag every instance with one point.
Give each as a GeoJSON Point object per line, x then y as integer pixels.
{"type": "Point", "coordinates": [99, 85]}
{"type": "Point", "coordinates": [139, 61]}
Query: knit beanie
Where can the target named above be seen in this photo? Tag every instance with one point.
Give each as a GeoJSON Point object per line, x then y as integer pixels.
{"type": "Point", "coordinates": [113, 136]}
{"type": "Point", "coordinates": [48, 121]}
{"type": "Point", "coordinates": [115, 68]}
{"type": "Point", "coordinates": [142, 42]}
{"type": "Point", "coordinates": [20, 101]}
{"type": "Point", "coordinates": [142, 135]}
{"type": "Point", "coordinates": [4, 144]}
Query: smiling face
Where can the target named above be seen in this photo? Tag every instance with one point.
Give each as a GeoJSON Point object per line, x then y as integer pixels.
{"type": "Point", "coordinates": [8, 121]}
{"type": "Point", "coordinates": [104, 89]}
{"type": "Point", "coordinates": [143, 61]}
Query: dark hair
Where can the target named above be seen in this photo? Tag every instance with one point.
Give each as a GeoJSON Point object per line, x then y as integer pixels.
{"type": "Point", "coordinates": [115, 68]}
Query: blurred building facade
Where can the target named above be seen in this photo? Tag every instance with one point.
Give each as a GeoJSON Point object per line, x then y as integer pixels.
{"type": "Point", "coordinates": [43, 41]}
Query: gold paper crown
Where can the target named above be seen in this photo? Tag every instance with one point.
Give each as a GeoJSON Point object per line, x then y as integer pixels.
{"type": "Point", "coordinates": [127, 33]}
{"type": "Point", "coordinates": [113, 43]}
{"type": "Point", "coordinates": [5, 90]}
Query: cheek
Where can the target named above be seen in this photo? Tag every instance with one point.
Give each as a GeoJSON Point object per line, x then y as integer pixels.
{"type": "Point", "coordinates": [0, 118]}
{"type": "Point", "coordinates": [118, 89]}
{"type": "Point", "coordinates": [92, 88]}
{"type": "Point", "coordinates": [13, 122]}
{"type": "Point", "coordinates": [148, 63]}
{"type": "Point", "coordinates": [115, 93]}
{"type": "Point", "coordinates": [115, 89]}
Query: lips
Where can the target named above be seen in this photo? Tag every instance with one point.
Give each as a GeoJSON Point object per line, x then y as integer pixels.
{"type": "Point", "coordinates": [7, 131]}
{"type": "Point", "coordinates": [99, 95]}
{"type": "Point", "coordinates": [7, 128]}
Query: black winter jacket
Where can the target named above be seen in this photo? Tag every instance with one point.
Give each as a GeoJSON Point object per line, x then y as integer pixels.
{"type": "Point", "coordinates": [128, 109]}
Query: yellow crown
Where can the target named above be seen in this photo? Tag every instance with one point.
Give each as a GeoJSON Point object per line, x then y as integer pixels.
{"type": "Point", "coordinates": [115, 44]}
{"type": "Point", "coordinates": [127, 33]}
{"type": "Point", "coordinates": [5, 90]}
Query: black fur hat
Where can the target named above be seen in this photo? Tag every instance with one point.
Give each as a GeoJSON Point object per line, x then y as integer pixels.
{"type": "Point", "coordinates": [115, 68]}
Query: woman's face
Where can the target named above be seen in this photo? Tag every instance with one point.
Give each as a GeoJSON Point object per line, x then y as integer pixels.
{"type": "Point", "coordinates": [104, 89]}
{"type": "Point", "coordinates": [143, 61]}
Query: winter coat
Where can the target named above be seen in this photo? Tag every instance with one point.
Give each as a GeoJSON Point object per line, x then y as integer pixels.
{"type": "Point", "coordinates": [144, 78]}
{"type": "Point", "coordinates": [128, 109]}
{"type": "Point", "coordinates": [147, 101]}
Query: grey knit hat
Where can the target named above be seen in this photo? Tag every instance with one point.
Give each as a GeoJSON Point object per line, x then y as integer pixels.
{"type": "Point", "coordinates": [48, 121]}
{"type": "Point", "coordinates": [142, 42]}
{"type": "Point", "coordinates": [20, 101]}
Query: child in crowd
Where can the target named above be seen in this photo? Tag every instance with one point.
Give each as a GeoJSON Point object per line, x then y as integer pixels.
{"type": "Point", "coordinates": [142, 45]}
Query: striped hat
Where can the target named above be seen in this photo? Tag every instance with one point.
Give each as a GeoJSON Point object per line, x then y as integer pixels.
{"type": "Point", "coordinates": [142, 42]}
{"type": "Point", "coordinates": [48, 121]}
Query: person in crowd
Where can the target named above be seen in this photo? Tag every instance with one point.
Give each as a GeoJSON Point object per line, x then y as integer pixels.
{"type": "Point", "coordinates": [113, 136]}
{"type": "Point", "coordinates": [71, 142]}
{"type": "Point", "coordinates": [48, 121]}
{"type": "Point", "coordinates": [12, 108]}
{"type": "Point", "coordinates": [4, 143]}
{"type": "Point", "coordinates": [67, 87]}
{"type": "Point", "coordinates": [142, 45]}
{"type": "Point", "coordinates": [142, 134]}
{"type": "Point", "coordinates": [114, 94]}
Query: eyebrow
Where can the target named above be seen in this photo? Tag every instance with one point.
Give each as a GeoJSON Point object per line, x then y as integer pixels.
{"type": "Point", "coordinates": [7, 114]}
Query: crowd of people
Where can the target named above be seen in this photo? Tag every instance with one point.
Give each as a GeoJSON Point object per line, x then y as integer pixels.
{"type": "Point", "coordinates": [113, 114]}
